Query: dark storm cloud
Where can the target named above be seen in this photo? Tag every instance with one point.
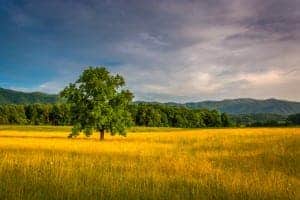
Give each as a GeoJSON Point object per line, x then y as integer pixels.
{"type": "Point", "coordinates": [167, 50]}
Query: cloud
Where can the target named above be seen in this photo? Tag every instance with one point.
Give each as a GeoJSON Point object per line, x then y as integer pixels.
{"type": "Point", "coordinates": [167, 50]}
{"type": "Point", "coordinates": [51, 87]}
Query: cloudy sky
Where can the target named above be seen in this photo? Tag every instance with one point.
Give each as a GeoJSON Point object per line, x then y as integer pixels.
{"type": "Point", "coordinates": [167, 50]}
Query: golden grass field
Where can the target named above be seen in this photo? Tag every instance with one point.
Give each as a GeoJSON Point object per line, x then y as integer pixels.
{"type": "Point", "coordinates": [248, 163]}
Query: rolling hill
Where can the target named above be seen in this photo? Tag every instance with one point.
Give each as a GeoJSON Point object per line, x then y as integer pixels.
{"type": "Point", "coordinates": [247, 106]}
{"type": "Point", "coordinates": [16, 97]}
{"type": "Point", "coordinates": [231, 106]}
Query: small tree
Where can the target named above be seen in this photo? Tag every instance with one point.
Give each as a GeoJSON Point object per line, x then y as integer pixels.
{"type": "Point", "coordinates": [98, 102]}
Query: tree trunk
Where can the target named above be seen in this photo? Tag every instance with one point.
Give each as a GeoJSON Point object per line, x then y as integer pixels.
{"type": "Point", "coordinates": [102, 134]}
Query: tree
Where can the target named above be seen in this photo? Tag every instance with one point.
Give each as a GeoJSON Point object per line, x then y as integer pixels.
{"type": "Point", "coordinates": [98, 102]}
{"type": "Point", "coordinates": [212, 118]}
{"type": "Point", "coordinates": [225, 120]}
{"type": "Point", "coordinates": [31, 114]}
{"type": "Point", "coordinates": [59, 114]}
{"type": "Point", "coordinates": [294, 119]}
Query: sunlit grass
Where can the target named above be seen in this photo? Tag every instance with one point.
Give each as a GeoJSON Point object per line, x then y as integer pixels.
{"type": "Point", "coordinates": [40, 163]}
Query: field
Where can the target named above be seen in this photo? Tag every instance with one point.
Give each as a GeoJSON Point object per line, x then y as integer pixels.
{"type": "Point", "coordinates": [254, 163]}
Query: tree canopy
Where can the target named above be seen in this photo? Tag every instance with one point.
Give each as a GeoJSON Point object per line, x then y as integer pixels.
{"type": "Point", "coordinates": [144, 114]}
{"type": "Point", "coordinates": [98, 101]}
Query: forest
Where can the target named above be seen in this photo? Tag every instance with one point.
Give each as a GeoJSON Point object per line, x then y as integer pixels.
{"type": "Point", "coordinates": [145, 114]}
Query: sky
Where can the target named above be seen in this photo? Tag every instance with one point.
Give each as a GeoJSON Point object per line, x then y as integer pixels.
{"type": "Point", "coordinates": [167, 50]}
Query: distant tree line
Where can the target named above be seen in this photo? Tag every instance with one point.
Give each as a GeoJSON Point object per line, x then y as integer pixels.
{"type": "Point", "coordinates": [158, 115]}
{"type": "Point", "coordinates": [259, 119]}
{"type": "Point", "coordinates": [35, 114]}
{"type": "Point", "coordinates": [143, 114]}
{"type": "Point", "coordinates": [265, 120]}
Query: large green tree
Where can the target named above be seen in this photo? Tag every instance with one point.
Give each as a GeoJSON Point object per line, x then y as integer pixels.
{"type": "Point", "coordinates": [98, 101]}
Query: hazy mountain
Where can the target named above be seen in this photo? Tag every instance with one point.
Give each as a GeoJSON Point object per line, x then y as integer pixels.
{"type": "Point", "coordinates": [245, 106]}
{"type": "Point", "coordinates": [15, 97]}
{"type": "Point", "coordinates": [231, 106]}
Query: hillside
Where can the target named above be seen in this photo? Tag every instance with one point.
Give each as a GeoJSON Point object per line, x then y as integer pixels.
{"type": "Point", "coordinates": [16, 97]}
{"type": "Point", "coordinates": [231, 106]}
{"type": "Point", "coordinates": [246, 106]}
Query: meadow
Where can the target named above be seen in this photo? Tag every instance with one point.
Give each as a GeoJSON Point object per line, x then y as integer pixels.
{"type": "Point", "coordinates": [249, 163]}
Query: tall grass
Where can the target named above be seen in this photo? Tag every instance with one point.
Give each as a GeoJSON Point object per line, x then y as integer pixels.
{"type": "Point", "coordinates": [181, 164]}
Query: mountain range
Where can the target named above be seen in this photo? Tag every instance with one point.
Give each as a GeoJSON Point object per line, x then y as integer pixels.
{"type": "Point", "coordinates": [231, 106]}
{"type": "Point", "coordinates": [16, 97]}
{"type": "Point", "coordinates": [247, 106]}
